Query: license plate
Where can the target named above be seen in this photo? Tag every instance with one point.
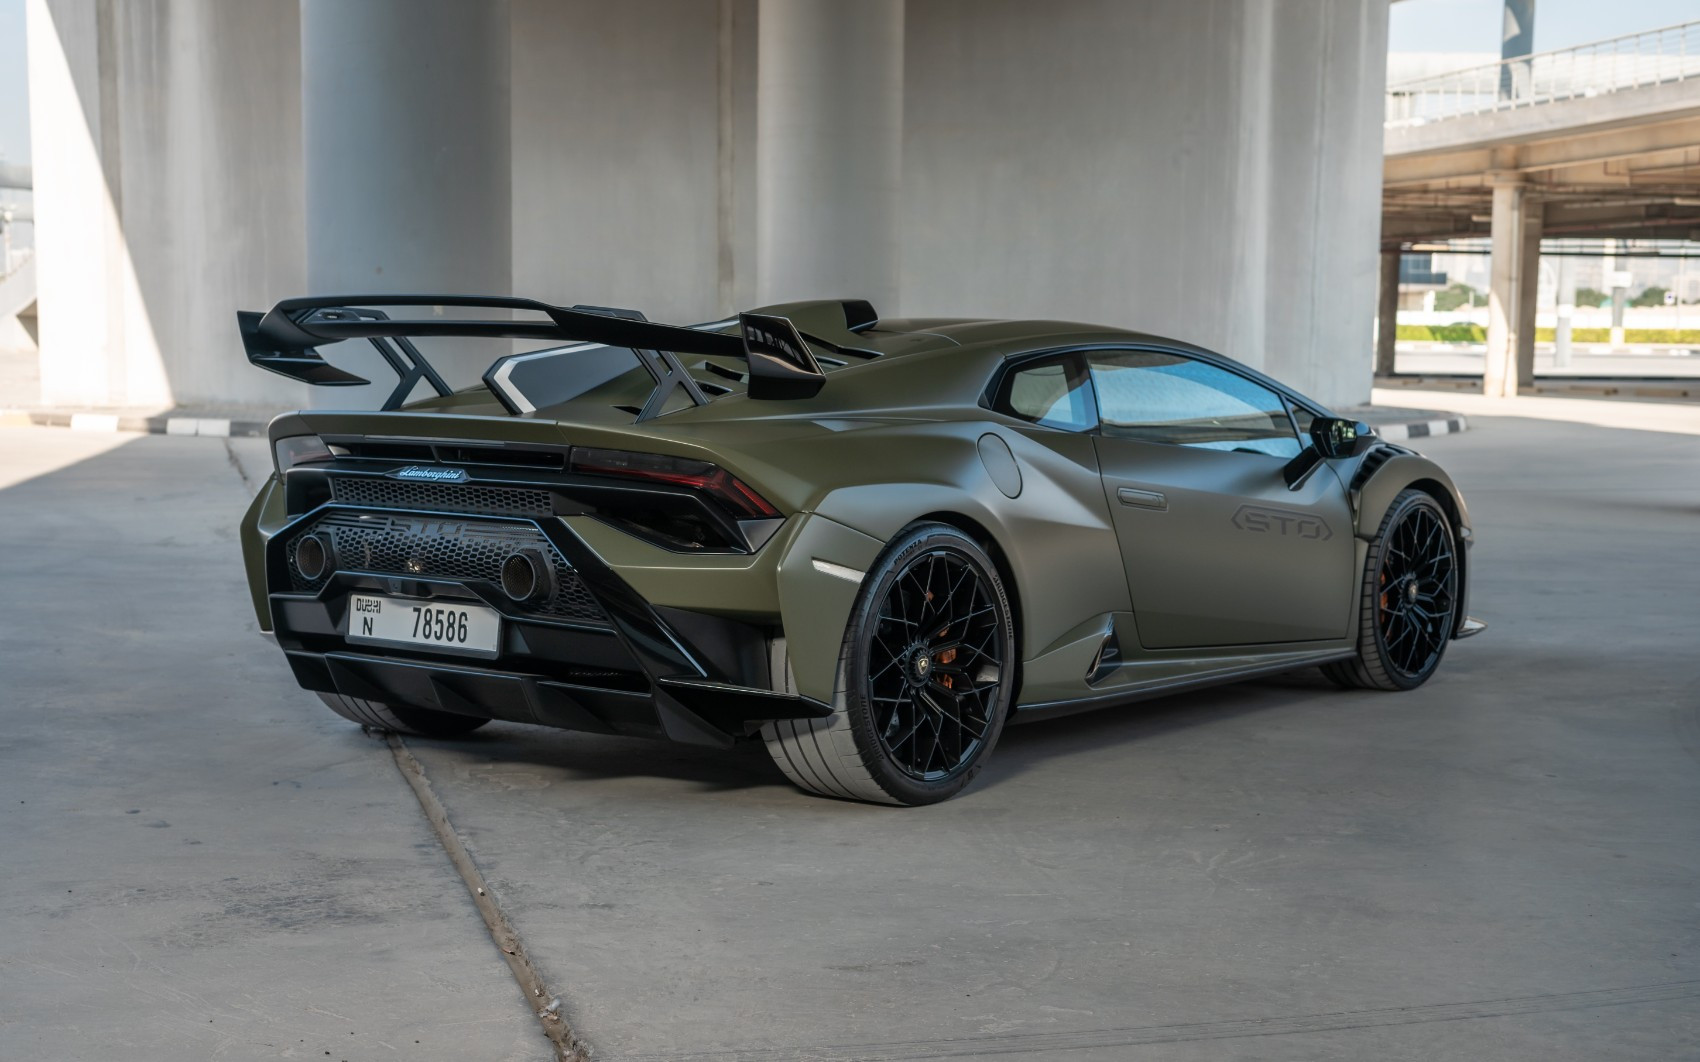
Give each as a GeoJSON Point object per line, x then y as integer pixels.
{"type": "Point", "coordinates": [436, 625]}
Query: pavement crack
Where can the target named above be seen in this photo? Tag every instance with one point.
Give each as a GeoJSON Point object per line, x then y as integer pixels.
{"type": "Point", "coordinates": [545, 1004]}
{"type": "Point", "coordinates": [236, 463]}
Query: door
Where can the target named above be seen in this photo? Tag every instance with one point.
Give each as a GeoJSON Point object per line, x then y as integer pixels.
{"type": "Point", "coordinates": [1219, 552]}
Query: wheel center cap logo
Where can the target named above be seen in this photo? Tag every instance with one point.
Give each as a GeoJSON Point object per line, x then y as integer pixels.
{"type": "Point", "coordinates": [923, 665]}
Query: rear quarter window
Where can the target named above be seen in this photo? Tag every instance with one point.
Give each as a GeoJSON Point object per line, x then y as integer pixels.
{"type": "Point", "coordinates": [1053, 393]}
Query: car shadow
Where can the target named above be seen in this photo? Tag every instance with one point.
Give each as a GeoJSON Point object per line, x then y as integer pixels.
{"type": "Point", "coordinates": [577, 756]}
{"type": "Point", "coordinates": [1027, 746]}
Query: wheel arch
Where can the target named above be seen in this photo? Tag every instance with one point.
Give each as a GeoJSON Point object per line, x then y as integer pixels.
{"type": "Point", "coordinates": [1415, 472]}
{"type": "Point", "coordinates": [988, 541]}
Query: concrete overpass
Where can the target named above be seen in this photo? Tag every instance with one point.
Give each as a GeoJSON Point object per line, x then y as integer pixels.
{"type": "Point", "coordinates": [1598, 140]}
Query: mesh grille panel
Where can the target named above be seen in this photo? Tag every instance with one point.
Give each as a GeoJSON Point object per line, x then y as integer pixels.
{"type": "Point", "coordinates": [439, 497]}
{"type": "Point", "coordinates": [398, 544]}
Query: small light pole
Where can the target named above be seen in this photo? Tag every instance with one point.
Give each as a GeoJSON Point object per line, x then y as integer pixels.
{"type": "Point", "coordinates": [1566, 310]}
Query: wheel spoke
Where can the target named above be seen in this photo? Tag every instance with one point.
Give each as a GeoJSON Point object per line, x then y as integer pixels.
{"type": "Point", "coordinates": [935, 718]}
{"type": "Point", "coordinates": [1416, 603]}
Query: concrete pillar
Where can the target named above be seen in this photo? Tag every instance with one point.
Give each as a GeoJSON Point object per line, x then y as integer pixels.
{"type": "Point", "coordinates": [1619, 303]}
{"type": "Point", "coordinates": [1499, 377]}
{"type": "Point", "coordinates": [406, 134]}
{"type": "Point", "coordinates": [829, 134]}
{"type": "Point", "coordinates": [1387, 314]}
{"type": "Point", "coordinates": [166, 144]}
{"type": "Point", "coordinates": [1528, 285]}
{"type": "Point", "coordinates": [87, 298]}
{"type": "Point", "coordinates": [1517, 42]}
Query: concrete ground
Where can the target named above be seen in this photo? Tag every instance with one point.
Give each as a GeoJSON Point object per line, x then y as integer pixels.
{"type": "Point", "coordinates": [1501, 865]}
{"type": "Point", "coordinates": [197, 861]}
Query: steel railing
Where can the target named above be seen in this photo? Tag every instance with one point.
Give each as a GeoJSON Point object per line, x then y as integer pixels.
{"type": "Point", "coordinates": [1651, 58]}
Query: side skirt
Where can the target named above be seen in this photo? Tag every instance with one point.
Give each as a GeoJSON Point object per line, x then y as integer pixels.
{"type": "Point", "coordinates": [1029, 713]}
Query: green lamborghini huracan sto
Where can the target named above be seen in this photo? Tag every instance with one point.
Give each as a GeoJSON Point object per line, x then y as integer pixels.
{"type": "Point", "coordinates": [867, 543]}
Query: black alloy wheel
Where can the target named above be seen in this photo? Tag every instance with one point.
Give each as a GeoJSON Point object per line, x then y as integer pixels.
{"type": "Point", "coordinates": [1415, 603]}
{"type": "Point", "coordinates": [925, 677]}
{"type": "Point", "coordinates": [1409, 605]}
{"type": "Point", "coordinates": [936, 665]}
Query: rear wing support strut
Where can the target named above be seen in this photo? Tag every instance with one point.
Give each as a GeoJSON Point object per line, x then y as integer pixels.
{"type": "Point", "coordinates": [409, 364]}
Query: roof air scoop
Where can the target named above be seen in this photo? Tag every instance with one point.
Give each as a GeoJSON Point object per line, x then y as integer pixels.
{"type": "Point", "coordinates": [781, 364]}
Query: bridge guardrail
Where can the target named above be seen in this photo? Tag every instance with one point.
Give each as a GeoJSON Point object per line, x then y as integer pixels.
{"type": "Point", "coordinates": [1631, 61]}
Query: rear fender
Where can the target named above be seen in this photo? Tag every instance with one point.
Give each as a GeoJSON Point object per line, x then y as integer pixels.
{"type": "Point", "coordinates": [819, 578]}
{"type": "Point", "coordinates": [265, 515]}
{"type": "Point", "coordinates": [1055, 538]}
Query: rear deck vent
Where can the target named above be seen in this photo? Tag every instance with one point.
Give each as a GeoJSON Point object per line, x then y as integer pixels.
{"type": "Point", "coordinates": [501, 455]}
{"type": "Point", "coordinates": [382, 451]}
{"type": "Point", "coordinates": [451, 453]}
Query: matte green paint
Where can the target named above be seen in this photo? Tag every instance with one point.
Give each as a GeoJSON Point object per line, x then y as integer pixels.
{"type": "Point", "coordinates": [893, 440]}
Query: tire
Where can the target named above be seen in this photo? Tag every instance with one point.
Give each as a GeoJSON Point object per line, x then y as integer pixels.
{"type": "Point", "coordinates": [1409, 598]}
{"type": "Point", "coordinates": [902, 731]}
{"type": "Point", "coordinates": [401, 718]}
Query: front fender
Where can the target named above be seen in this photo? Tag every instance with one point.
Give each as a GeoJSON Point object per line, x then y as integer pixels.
{"type": "Point", "coordinates": [1374, 496]}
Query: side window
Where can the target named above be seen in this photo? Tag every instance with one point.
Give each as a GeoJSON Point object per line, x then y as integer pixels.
{"type": "Point", "coordinates": [1053, 393]}
{"type": "Point", "coordinates": [1166, 398]}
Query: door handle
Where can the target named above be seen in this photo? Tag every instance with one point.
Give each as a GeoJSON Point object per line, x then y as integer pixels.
{"type": "Point", "coordinates": [1142, 499]}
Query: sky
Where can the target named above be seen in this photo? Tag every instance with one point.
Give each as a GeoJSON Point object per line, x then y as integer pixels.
{"type": "Point", "coordinates": [1474, 25]}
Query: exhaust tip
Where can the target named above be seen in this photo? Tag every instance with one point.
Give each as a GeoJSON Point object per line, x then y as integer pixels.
{"type": "Point", "coordinates": [313, 557]}
{"type": "Point", "coordinates": [528, 577]}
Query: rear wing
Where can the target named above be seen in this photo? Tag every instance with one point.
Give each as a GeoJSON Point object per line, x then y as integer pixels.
{"type": "Point", "coordinates": [285, 340]}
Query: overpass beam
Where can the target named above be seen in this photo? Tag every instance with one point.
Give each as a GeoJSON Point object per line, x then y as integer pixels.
{"type": "Point", "coordinates": [1505, 286]}
{"type": "Point", "coordinates": [1387, 313]}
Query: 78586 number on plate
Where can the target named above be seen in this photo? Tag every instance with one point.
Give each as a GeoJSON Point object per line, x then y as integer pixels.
{"type": "Point", "coordinates": [403, 621]}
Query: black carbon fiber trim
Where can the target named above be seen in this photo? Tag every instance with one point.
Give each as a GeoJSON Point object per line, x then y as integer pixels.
{"type": "Point", "coordinates": [380, 493]}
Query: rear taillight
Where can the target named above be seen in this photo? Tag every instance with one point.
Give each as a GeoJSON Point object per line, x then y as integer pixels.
{"type": "Point", "coordinates": [710, 479]}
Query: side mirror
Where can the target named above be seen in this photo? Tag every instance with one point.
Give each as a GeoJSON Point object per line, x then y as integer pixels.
{"type": "Point", "coordinates": [1339, 437]}
{"type": "Point", "coordinates": [1329, 437]}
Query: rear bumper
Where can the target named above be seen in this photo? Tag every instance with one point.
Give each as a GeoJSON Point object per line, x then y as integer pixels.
{"type": "Point", "coordinates": [630, 668]}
